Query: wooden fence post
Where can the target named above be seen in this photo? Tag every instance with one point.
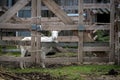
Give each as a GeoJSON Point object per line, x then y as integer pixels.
{"type": "Point", "coordinates": [80, 31]}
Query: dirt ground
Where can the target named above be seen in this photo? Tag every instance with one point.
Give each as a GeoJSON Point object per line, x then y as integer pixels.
{"type": "Point", "coordinates": [46, 76]}
{"type": "Point", "coordinates": [28, 76]}
{"type": "Point", "coordinates": [102, 77]}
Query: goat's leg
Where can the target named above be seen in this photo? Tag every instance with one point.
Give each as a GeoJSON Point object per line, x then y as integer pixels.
{"type": "Point", "coordinates": [44, 51]}
{"type": "Point", "coordinates": [22, 63]}
{"type": "Point", "coordinates": [43, 55]}
{"type": "Point", "coordinates": [43, 64]}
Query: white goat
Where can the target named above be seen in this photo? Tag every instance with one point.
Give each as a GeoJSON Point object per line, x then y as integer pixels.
{"type": "Point", "coordinates": [44, 50]}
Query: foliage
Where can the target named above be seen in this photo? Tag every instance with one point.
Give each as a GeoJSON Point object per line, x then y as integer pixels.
{"type": "Point", "coordinates": [102, 36]}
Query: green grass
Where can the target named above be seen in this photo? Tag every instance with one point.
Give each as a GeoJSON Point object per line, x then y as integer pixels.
{"type": "Point", "coordinates": [16, 54]}
{"type": "Point", "coordinates": [71, 72]}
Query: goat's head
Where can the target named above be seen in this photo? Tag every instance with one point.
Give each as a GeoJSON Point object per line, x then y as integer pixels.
{"type": "Point", "coordinates": [55, 36]}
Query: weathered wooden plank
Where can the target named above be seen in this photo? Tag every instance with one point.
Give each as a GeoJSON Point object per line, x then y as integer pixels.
{"type": "Point", "coordinates": [86, 44]}
{"type": "Point", "coordinates": [80, 32]}
{"type": "Point", "coordinates": [97, 27]}
{"type": "Point", "coordinates": [67, 39]}
{"type": "Point", "coordinates": [102, 48]}
{"type": "Point", "coordinates": [75, 7]}
{"type": "Point", "coordinates": [87, 48]}
{"type": "Point", "coordinates": [16, 59]}
{"type": "Point", "coordinates": [33, 32]}
{"type": "Point", "coordinates": [52, 27]}
{"type": "Point", "coordinates": [61, 60]}
{"type": "Point", "coordinates": [38, 46]}
{"type": "Point", "coordinates": [112, 32]}
{"type": "Point", "coordinates": [15, 26]}
{"type": "Point", "coordinates": [14, 43]}
{"type": "Point", "coordinates": [12, 38]}
{"type": "Point", "coordinates": [11, 12]}
{"type": "Point", "coordinates": [60, 38]}
{"type": "Point", "coordinates": [66, 60]}
{"type": "Point", "coordinates": [96, 5]}
{"type": "Point", "coordinates": [58, 11]}
{"type": "Point", "coordinates": [96, 59]}
{"type": "Point", "coordinates": [74, 38]}
{"type": "Point", "coordinates": [46, 19]}
{"type": "Point", "coordinates": [90, 6]}
{"type": "Point", "coordinates": [53, 20]}
{"type": "Point", "coordinates": [58, 60]}
{"type": "Point", "coordinates": [14, 18]}
{"type": "Point", "coordinates": [61, 43]}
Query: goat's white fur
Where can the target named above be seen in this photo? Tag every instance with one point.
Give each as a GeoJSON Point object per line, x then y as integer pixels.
{"type": "Point", "coordinates": [44, 50]}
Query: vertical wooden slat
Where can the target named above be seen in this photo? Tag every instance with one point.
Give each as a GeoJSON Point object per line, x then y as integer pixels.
{"type": "Point", "coordinates": [112, 45]}
{"type": "Point", "coordinates": [38, 56]}
{"type": "Point", "coordinates": [38, 11]}
{"type": "Point", "coordinates": [34, 11]}
{"type": "Point", "coordinates": [33, 33]}
{"type": "Point", "coordinates": [80, 33]}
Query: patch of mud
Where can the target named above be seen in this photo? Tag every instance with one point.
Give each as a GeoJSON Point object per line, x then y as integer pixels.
{"type": "Point", "coordinates": [102, 77]}
{"type": "Point", "coordinates": [28, 76]}
{"type": "Point", "coordinates": [38, 76]}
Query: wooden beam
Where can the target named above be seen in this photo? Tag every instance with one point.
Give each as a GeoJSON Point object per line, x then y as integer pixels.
{"type": "Point", "coordinates": [96, 5]}
{"type": "Point", "coordinates": [16, 59]}
{"type": "Point", "coordinates": [15, 26]}
{"type": "Point", "coordinates": [97, 48]}
{"type": "Point", "coordinates": [67, 39]}
{"type": "Point", "coordinates": [87, 47]}
{"type": "Point", "coordinates": [12, 38]}
{"type": "Point", "coordinates": [86, 44]}
{"type": "Point", "coordinates": [61, 43]}
{"type": "Point", "coordinates": [94, 60]}
{"type": "Point", "coordinates": [46, 19]}
{"type": "Point", "coordinates": [112, 32]}
{"type": "Point", "coordinates": [13, 10]}
{"type": "Point", "coordinates": [45, 26]}
{"type": "Point", "coordinates": [74, 38]}
{"type": "Point", "coordinates": [14, 18]}
{"type": "Point", "coordinates": [38, 39]}
{"type": "Point", "coordinates": [80, 33]}
{"type": "Point", "coordinates": [60, 38]}
{"type": "Point", "coordinates": [33, 32]}
{"type": "Point", "coordinates": [87, 6]}
{"type": "Point", "coordinates": [58, 60]}
{"type": "Point", "coordinates": [64, 60]}
{"type": "Point", "coordinates": [54, 20]}
{"type": "Point", "coordinates": [75, 7]}
{"type": "Point", "coordinates": [58, 11]}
